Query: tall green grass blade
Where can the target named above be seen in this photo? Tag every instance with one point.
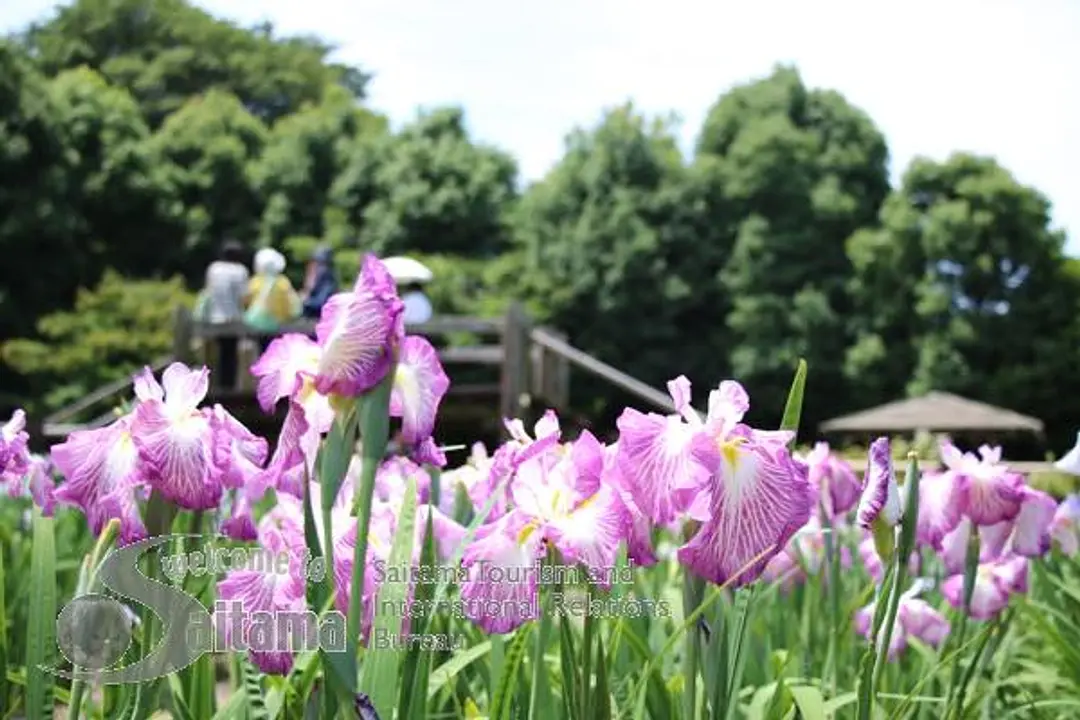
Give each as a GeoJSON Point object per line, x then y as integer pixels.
{"type": "Point", "coordinates": [793, 407]}
{"type": "Point", "coordinates": [374, 428]}
{"type": "Point", "coordinates": [737, 660]}
{"type": "Point", "coordinates": [254, 694]}
{"type": "Point", "coordinates": [504, 693]}
{"type": "Point", "coordinates": [602, 698]}
{"type": "Point", "coordinates": [417, 665]}
{"type": "Point", "coordinates": [5, 695]}
{"type": "Point", "coordinates": [41, 633]}
{"type": "Point", "coordinates": [449, 670]}
{"type": "Point", "coordinates": [379, 677]}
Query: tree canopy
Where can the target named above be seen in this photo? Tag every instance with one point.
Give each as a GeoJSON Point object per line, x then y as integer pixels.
{"type": "Point", "coordinates": [137, 135]}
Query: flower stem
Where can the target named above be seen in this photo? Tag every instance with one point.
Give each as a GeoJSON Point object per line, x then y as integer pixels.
{"type": "Point", "coordinates": [903, 556]}
{"type": "Point", "coordinates": [374, 436]}
{"type": "Point", "coordinates": [90, 565]}
{"type": "Point", "coordinates": [971, 569]}
{"type": "Point", "coordinates": [693, 592]}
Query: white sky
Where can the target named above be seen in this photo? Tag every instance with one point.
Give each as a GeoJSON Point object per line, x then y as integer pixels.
{"type": "Point", "coordinates": [1000, 77]}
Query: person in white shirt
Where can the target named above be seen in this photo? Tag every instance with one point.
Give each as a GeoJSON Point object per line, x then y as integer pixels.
{"type": "Point", "coordinates": [226, 297]}
{"type": "Point", "coordinates": [417, 306]}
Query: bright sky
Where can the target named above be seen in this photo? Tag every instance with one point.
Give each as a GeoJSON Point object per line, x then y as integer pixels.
{"type": "Point", "coordinates": [999, 77]}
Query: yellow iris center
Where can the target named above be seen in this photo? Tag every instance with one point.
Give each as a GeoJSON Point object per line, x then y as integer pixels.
{"type": "Point", "coordinates": [730, 448]}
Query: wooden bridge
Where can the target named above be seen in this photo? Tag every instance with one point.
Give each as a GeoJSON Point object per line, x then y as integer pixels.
{"type": "Point", "coordinates": [498, 368]}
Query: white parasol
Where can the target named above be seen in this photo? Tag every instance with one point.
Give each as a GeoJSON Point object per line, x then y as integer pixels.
{"type": "Point", "coordinates": [407, 270]}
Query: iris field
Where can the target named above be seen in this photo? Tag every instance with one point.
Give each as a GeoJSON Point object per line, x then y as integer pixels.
{"type": "Point", "coordinates": [695, 568]}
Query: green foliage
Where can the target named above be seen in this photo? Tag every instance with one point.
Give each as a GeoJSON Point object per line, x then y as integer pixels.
{"type": "Point", "coordinates": [207, 147]}
{"type": "Point", "coordinates": [427, 189]}
{"type": "Point", "coordinates": [167, 51]}
{"type": "Point", "coordinates": [610, 236]}
{"type": "Point", "coordinates": [113, 330]}
{"type": "Point", "coordinates": [963, 288]}
{"type": "Point", "coordinates": [305, 153]}
{"type": "Point", "coordinates": [797, 171]}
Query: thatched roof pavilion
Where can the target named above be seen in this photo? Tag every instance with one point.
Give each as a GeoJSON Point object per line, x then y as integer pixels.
{"type": "Point", "coordinates": [941, 413]}
{"type": "Point", "coordinates": [935, 412]}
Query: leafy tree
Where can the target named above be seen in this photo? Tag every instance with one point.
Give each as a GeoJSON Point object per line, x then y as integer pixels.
{"type": "Point", "coordinates": [166, 51]}
{"type": "Point", "coordinates": [207, 148]}
{"type": "Point", "coordinates": [112, 331]}
{"type": "Point", "coordinates": [613, 252]}
{"type": "Point", "coordinates": [33, 217]}
{"type": "Point", "coordinates": [797, 172]}
{"type": "Point", "coordinates": [965, 288]}
{"type": "Point", "coordinates": [427, 189]}
{"type": "Point", "coordinates": [305, 153]}
{"type": "Point", "coordinates": [120, 209]}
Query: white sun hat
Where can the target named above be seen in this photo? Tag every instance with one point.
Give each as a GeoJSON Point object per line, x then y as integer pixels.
{"type": "Point", "coordinates": [407, 270]}
{"type": "Point", "coordinates": [1071, 462]}
{"type": "Point", "coordinates": [269, 261]}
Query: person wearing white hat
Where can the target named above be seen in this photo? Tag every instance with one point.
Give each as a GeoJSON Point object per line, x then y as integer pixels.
{"type": "Point", "coordinates": [1071, 462]}
{"type": "Point", "coordinates": [272, 299]}
{"type": "Point", "coordinates": [410, 275]}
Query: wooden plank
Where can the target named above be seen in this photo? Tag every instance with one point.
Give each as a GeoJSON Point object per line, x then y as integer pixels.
{"type": "Point", "coordinates": [603, 370]}
{"type": "Point", "coordinates": [475, 390]}
{"type": "Point", "coordinates": [102, 393]}
{"type": "Point", "coordinates": [472, 354]}
{"type": "Point", "coordinates": [516, 361]}
{"type": "Point", "coordinates": [63, 429]}
{"type": "Point", "coordinates": [436, 326]}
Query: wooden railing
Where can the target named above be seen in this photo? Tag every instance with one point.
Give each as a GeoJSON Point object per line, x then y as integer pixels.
{"type": "Point", "coordinates": [531, 364]}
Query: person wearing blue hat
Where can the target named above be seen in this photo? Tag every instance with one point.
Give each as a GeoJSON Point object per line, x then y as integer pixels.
{"type": "Point", "coordinates": [320, 283]}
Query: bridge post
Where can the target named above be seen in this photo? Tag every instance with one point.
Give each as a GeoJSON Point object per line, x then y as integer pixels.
{"type": "Point", "coordinates": [516, 362]}
{"type": "Point", "coordinates": [181, 334]}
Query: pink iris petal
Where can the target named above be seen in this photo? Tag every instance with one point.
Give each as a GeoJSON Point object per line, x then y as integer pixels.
{"type": "Point", "coordinates": [784, 570]}
{"type": "Point", "coordinates": [419, 386]}
{"type": "Point", "coordinates": [919, 618]}
{"type": "Point", "coordinates": [392, 478]}
{"type": "Point", "coordinates": [639, 547]}
{"type": "Point", "coordinates": [508, 458]}
{"type": "Point", "coordinates": [175, 440]}
{"type": "Point", "coordinates": [277, 596]}
{"type": "Point", "coordinates": [993, 493]}
{"type": "Point", "coordinates": [146, 386]}
{"type": "Point", "coordinates": [872, 561]}
{"type": "Point", "coordinates": [760, 498]}
{"type": "Point", "coordinates": [587, 457]}
{"type": "Point", "coordinates": [1031, 530]}
{"type": "Point", "coordinates": [1065, 527]}
{"type": "Point", "coordinates": [462, 479]}
{"type": "Point", "coordinates": [40, 484]}
{"type": "Point", "coordinates": [664, 461]}
{"type": "Point", "coordinates": [281, 366]}
{"type": "Point", "coordinates": [864, 625]}
{"type": "Point", "coordinates": [357, 331]}
{"type": "Point", "coordinates": [501, 592]}
{"type": "Point", "coordinates": [427, 453]}
{"type": "Point", "coordinates": [728, 403]}
{"type": "Point", "coordinates": [805, 553]}
{"type": "Point", "coordinates": [14, 451]}
{"type": "Point", "coordinates": [103, 464]}
{"type": "Point", "coordinates": [449, 534]}
{"type": "Point", "coordinates": [995, 541]}
{"type": "Point", "coordinates": [592, 533]}
{"type": "Point", "coordinates": [238, 453]}
{"type": "Point", "coordinates": [940, 506]}
{"type": "Point", "coordinates": [834, 482]}
{"type": "Point", "coordinates": [880, 497]}
{"type": "Point", "coordinates": [994, 581]}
